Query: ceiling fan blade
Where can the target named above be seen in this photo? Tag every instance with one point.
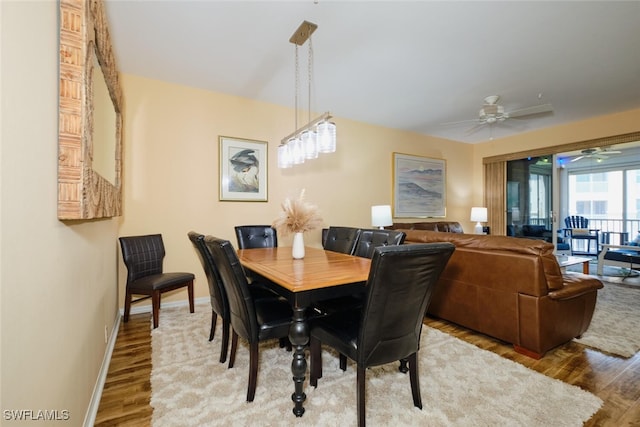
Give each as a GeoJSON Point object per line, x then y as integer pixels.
{"type": "Point", "coordinates": [459, 122]}
{"type": "Point", "coordinates": [475, 129]}
{"type": "Point", "coordinates": [577, 158]}
{"type": "Point", "coordinates": [529, 111]}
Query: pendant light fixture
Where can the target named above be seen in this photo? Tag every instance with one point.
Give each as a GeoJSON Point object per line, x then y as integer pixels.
{"type": "Point", "coordinates": [317, 136]}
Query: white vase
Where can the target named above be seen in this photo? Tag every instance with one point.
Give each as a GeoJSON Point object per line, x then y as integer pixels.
{"type": "Point", "coordinates": [298, 246]}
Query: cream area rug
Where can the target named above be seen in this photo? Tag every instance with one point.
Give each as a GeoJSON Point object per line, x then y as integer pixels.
{"type": "Point", "coordinates": [461, 385]}
{"type": "Point", "coordinates": [615, 327]}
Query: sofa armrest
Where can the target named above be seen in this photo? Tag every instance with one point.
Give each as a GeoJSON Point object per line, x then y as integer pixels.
{"type": "Point", "coordinates": [575, 285]}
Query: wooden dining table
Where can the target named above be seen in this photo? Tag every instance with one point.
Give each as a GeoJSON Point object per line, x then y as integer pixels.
{"type": "Point", "coordinates": [320, 275]}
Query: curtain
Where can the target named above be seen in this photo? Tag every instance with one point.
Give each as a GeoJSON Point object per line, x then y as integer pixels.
{"type": "Point", "coordinates": [495, 181]}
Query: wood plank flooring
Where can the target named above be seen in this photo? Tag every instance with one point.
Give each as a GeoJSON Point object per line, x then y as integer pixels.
{"type": "Point", "coordinates": [127, 390]}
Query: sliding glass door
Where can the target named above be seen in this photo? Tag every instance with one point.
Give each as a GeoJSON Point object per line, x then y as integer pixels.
{"type": "Point", "coordinates": [530, 197]}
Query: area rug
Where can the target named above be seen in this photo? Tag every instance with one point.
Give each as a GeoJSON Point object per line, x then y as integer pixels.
{"type": "Point", "coordinates": [615, 327]}
{"type": "Point", "coordinates": [461, 385]}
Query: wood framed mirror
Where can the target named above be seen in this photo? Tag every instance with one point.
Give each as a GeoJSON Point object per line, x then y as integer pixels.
{"type": "Point", "coordinates": [90, 115]}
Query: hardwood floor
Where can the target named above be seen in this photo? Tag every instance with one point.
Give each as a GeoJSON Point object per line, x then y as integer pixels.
{"type": "Point", "coordinates": [127, 390]}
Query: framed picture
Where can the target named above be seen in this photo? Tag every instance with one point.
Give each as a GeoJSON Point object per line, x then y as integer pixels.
{"type": "Point", "coordinates": [243, 170]}
{"type": "Point", "coordinates": [419, 186]}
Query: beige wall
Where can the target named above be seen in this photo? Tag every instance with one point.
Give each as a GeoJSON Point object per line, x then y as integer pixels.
{"type": "Point", "coordinates": [58, 281]}
{"type": "Point", "coordinates": [171, 169]}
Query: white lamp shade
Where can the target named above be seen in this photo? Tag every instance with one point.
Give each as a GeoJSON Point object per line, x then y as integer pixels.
{"type": "Point", "coordinates": [326, 137]}
{"type": "Point", "coordinates": [309, 141]}
{"type": "Point", "coordinates": [284, 158]}
{"type": "Point", "coordinates": [296, 151]}
{"type": "Point", "coordinates": [381, 216]}
{"type": "Point", "coordinates": [479, 215]}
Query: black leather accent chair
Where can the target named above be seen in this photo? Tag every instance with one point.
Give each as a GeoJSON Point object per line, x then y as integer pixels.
{"type": "Point", "coordinates": [342, 239]}
{"type": "Point", "coordinates": [143, 256]}
{"type": "Point", "coordinates": [254, 319]}
{"type": "Point", "coordinates": [389, 325]}
{"type": "Point", "coordinates": [219, 302]}
{"type": "Point", "coordinates": [578, 229]}
{"type": "Point", "coordinates": [373, 238]}
{"type": "Point", "coordinates": [256, 236]}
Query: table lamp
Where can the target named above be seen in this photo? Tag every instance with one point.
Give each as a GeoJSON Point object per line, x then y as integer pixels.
{"type": "Point", "coordinates": [381, 216]}
{"type": "Point", "coordinates": [478, 215]}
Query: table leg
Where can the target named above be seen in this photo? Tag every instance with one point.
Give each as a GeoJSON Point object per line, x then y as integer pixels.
{"type": "Point", "coordinates": [299, 337]}
{"type": "Point", "coordinates": [585, 267]}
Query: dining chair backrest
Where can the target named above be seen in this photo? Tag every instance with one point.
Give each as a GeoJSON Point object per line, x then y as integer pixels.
{"type": "Point", "coordinates": [342, 239]}
{"type": "Point", "coordinates": [241, 306]}
{"type": "Point", "coordinates": [143, 255]}
{"type": "Point", "coordinates": [256, 236]}
{"type": "Point", "coordinates": [576, 221]}
{"type": "Point", "coordinates": [218, 295]}
{"type": "Point", "coordinates": [399, 289]}
{"type": "Point", "coordinates": [372, 238]}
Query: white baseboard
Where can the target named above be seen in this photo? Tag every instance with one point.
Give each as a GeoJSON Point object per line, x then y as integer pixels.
{"type": "Point", "coordinates": [137, 309]}
{"type": "Point", "coordinates": [94, 404]}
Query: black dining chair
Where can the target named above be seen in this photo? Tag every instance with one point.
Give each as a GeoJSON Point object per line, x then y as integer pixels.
{"type": "Point", "coordinates": [368, 240]}
{"type": "Point", "coordinates": [143, 257]}
{"type": "Point", "coordinates": [253, 319]}
{"type": "Point", "coordinates": [341, 239]}
{"type": "Point", "coordinates": [389, 325]}
{"type": "Point", "coordinates": [256, 236]}
{"type": "Point", "coordinates": [217, 294]}
{"type": "Point", "coordinates": [373, 238]}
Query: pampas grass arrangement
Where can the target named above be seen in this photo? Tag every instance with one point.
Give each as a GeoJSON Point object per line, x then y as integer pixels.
{"type": "Point", "coordinates": [297, 216]}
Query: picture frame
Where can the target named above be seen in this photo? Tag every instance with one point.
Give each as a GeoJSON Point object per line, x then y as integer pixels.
{"type": "Point", "coordinates": [419, 187]}
{"type": "Point", "coordinates": [243, 170]}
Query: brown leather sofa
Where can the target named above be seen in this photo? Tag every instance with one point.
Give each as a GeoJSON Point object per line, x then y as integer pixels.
{"type": "Point", "coordinates": [444, 226]}
{"type": "Point", "coordinates": [511, 289]}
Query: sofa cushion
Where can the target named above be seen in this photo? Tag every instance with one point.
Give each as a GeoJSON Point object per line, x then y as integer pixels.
{"type": "Point", "coordinates": [533, 247]}
{"type": "Point", "coordinates": [442, 226]}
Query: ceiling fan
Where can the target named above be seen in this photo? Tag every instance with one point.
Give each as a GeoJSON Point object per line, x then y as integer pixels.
{"type": "Point", "coordinates": [596, 153]}
{"type": "Point", "coordinates": [494, 113]}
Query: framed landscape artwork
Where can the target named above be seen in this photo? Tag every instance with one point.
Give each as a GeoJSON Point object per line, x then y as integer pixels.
{"type": "Point", "coordinates": [419, 186]}
{"type": "Point", "coordinates": [243, 170]}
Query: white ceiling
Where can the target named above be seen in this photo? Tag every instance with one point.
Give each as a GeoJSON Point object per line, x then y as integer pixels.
{"type": "Point", "coordinates": [410, 65]}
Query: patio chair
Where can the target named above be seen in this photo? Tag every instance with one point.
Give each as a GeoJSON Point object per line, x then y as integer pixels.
{"type": "Point", "coordinates": [577, 228]}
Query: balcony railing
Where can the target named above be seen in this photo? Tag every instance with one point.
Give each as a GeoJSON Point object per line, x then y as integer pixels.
{"type": "Point", "coordinates": [614, 231]}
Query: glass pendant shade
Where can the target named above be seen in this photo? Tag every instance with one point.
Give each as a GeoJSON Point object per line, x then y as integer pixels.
{"type": "Point", "coordinates": [327, 137]}
{"type": "Point", "coordinates": [284, 158]}
{"type": "Point", "coordinates": [309, 142]}
{"type": "Point", "coordinates": [296, 150]}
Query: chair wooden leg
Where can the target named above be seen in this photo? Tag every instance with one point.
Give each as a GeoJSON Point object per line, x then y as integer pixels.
{"type": "Point", "coordinates": [343, 362]}
{"type": "Point", "coordinates": [403, 366]}
{"type": "Point", "coordinates": [360, 379]}
{"type": "Point", "coordinates": [225, 341]}
{"type": "Point", "coordinates": [155, 305]}
{"type": "Point", "coordinates": [253, 371]}
{"type": "Point", "coordinates": [214, 318]}
{"type": "Point", "coordinates": [234, 346]}
{"type": "Point", "coordinates": [190, 293]}
{"type": "Point", "coordinates": [127, 305]}
{"type": "Point", "coordinates": [315, 370]}
{"type": "Point", "coordinates": [415, 380]}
